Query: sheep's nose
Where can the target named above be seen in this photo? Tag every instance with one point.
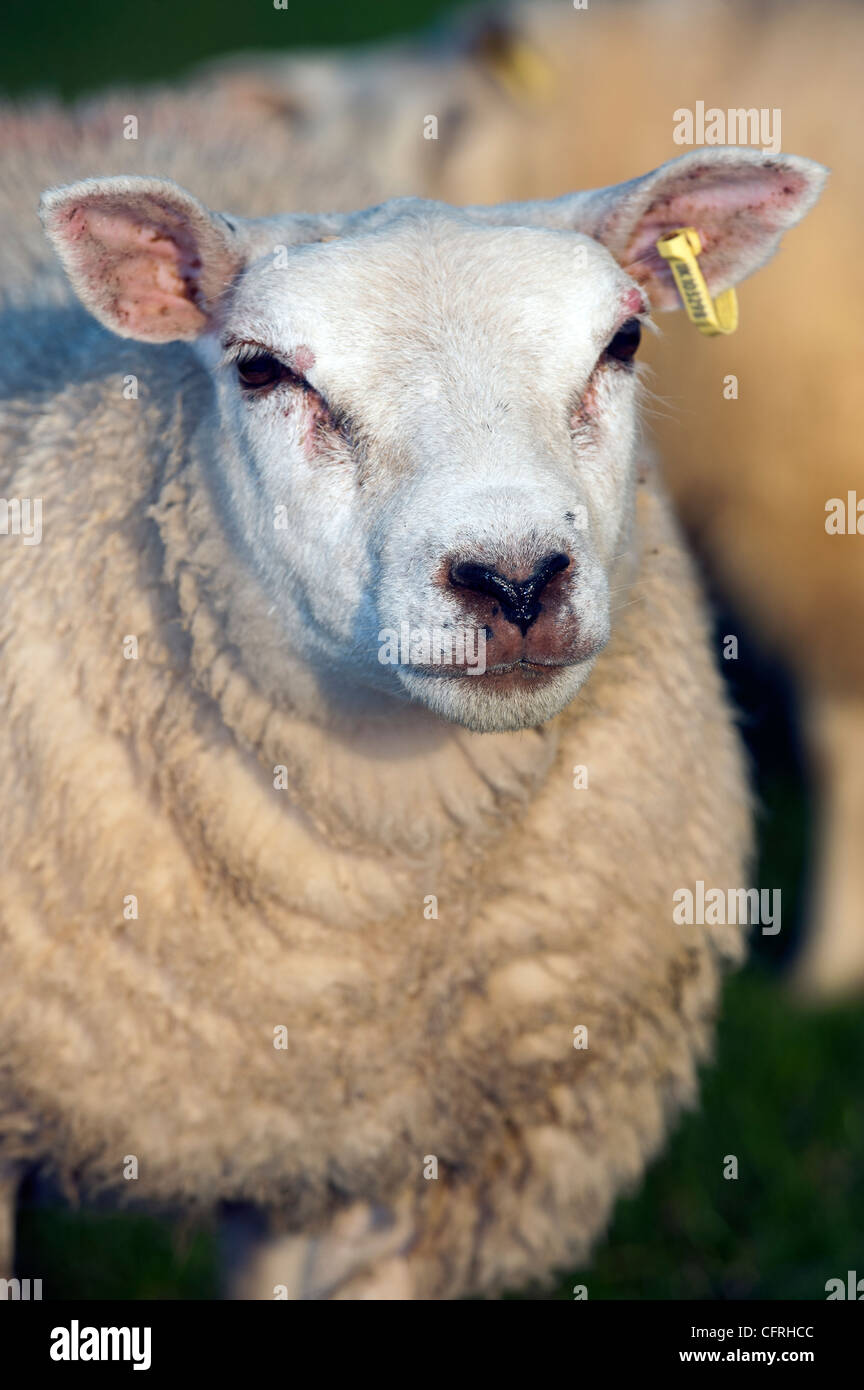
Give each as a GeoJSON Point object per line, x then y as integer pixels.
{"type": "Point", "coordinates": [519, 599]}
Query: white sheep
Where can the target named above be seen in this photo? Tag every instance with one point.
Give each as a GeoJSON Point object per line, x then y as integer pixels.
{"type": "Point", "coordinates": [754, 496]}
{"type": "Point", "coordinates": [386, 949]}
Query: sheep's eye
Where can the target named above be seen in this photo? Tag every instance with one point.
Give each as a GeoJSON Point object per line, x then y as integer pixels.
{"type": "Point", "coordinates": [260, 370]}
{"type": "Point", "coordinates": [626, 341]}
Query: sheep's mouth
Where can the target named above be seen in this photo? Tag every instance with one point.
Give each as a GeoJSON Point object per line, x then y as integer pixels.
{"type": "Point", "coordinates": [520, 670]}
{"type": "Point", "coordinates": [526, 669]}
{"type": "Point", "coordinates": [524, 672]}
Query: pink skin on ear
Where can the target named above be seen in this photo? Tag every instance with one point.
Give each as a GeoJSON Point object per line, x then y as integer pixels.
{"type": "Point", "coordinates": [736, 211]}
{"type": "Point", "coordinates": [148, 275]}
{"type": "Point", "coordinates": [144, 256]}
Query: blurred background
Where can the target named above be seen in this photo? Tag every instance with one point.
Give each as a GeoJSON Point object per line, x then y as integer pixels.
{"type": "Point", "coordinates": [69, 50]}
{"type": "Point", "coordinates": [535, 100]}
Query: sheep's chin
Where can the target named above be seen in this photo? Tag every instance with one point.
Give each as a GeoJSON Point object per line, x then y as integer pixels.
{"type": "Point", "coordinates": [486, 705]}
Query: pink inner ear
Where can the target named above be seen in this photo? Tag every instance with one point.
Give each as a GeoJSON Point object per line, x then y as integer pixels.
{"type": "Point", "coordinates": [143, 273]}
{"type": "Point", "coordinates": [737, 213]}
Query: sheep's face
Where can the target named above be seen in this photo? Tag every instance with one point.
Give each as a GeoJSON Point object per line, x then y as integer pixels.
{"type": "Point", "coordinates": [431, 433]}
{"type": "Point", "coordinates": [425, 418]}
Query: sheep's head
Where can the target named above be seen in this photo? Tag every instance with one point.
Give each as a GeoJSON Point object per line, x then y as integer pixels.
{"type": "Point", "coordinates": [427, 416]}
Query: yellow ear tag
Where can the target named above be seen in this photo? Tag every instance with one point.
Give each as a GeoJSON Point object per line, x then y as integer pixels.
{"type": "Point", "coordinates": [711, 316]}
{"type": "Point", "coordinates": [521, 70]}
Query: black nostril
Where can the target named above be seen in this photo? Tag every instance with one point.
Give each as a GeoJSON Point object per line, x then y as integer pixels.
{"type": "Point", "coordinates": [519, 599]}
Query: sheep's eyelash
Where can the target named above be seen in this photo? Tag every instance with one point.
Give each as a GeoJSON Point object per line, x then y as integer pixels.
{"type": "Point", "coordinates": [644, 318]}
{"type": "Point", "coordinates": [236, 352]}
{"type": "Point", "coordinates": [242, 350]}
{"type": "Point", "coordinates": [239, 350]}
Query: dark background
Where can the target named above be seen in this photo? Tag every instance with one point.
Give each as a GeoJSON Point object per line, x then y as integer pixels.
{"type": "Point", "coordinates": [784, 1095]}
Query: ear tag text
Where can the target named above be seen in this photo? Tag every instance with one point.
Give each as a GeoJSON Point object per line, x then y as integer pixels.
{"type": "Point", "coordinates": [711, 316]}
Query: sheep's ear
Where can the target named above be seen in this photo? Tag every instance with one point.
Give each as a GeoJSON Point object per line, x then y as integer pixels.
{"type": "Point", "coordinates": [144, 256]}
{"type": "Point", "coordinates": [739, 200]}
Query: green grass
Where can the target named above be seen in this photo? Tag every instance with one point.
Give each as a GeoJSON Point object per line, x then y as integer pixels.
{"type": "Point", "coordinates": [784, 1099]}
{"type": "Point", "coordinates": [111, 1255]}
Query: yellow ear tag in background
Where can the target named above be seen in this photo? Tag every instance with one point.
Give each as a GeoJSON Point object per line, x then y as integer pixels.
{"type": "Point", "coordinates": [711, 316]}
{"type": "Point", "coordinates": [526, 73]}
{"type": "Point", "coordinates": [522, 71]}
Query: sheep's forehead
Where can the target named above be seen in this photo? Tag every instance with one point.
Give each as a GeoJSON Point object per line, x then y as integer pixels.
{"type": "Point", "coordinates": [437, 289]}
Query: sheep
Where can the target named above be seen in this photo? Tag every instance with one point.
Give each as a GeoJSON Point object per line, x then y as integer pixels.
{"type": "Point", "coordinates": [755, 496]}
{"type": "Point", "coordinates": [384, 949]}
